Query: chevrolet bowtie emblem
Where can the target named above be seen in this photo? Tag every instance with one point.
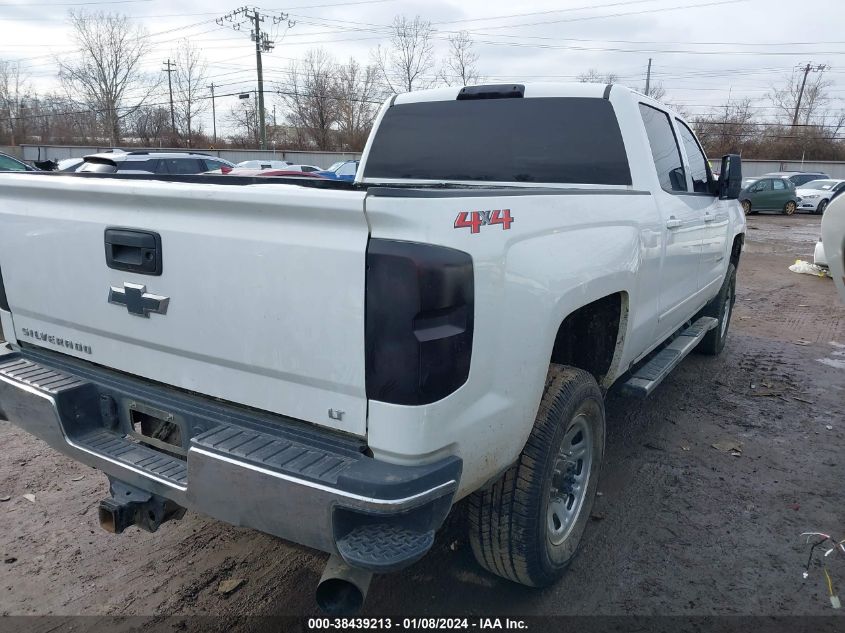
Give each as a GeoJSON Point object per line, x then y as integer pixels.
{"type": "Point", "coordinates": [137, 300]}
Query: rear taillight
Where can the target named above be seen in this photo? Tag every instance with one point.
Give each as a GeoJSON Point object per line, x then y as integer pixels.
{"type": "Point", "coordinates": [4, 302]}
{"type": "Point", "coordinates": [419, 321]}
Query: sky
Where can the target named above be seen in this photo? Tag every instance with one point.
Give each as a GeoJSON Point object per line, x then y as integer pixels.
{"type": "Point", "coordinates": [704, 52]}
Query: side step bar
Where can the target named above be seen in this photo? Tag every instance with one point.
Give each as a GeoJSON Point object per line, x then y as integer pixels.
{"type": "Point", "coordinates": [647, 377]}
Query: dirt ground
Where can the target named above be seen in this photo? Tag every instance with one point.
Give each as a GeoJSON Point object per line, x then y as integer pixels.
{"type": "Point", "coordinates": [680, 528]}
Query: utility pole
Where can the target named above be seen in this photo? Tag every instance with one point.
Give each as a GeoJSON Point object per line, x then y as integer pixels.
{"type": "Point", "coordinates": [807, 70]}
{"type": "Point", "coordinates": [169, 68]}
{"type": "Point", "coordinates": [263, 44]}
{"type": "Point", "coordinates": [648, 77]}
{"type": "Point", "coordinates": [213, 115]}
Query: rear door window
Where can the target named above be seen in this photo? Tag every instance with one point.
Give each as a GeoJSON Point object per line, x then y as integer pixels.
{"type": "Point", "coordinates": [664, 149]}
{"type": "Point", "coordinates": [544, 140]}
{"type": "Point", "coordinates": [779, 185]}
{"type": "Point", "coordinates": [185, 165]}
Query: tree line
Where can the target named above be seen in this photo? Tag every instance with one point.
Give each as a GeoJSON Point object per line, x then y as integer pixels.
{"type": "Point", "coordinates": [105, 97]}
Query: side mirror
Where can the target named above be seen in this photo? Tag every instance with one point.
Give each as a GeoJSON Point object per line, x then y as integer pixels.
{"type": "Point", "coordinates": [730, 179]}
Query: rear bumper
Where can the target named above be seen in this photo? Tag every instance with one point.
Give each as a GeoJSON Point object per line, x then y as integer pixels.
{"type": "Point", "coordinates": [247, 468]}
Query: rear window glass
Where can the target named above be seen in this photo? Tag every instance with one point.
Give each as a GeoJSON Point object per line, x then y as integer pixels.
{"type": "Point", "coordinates": [98, 168]}
{"type": "Point", "coordinates": [544, 140]}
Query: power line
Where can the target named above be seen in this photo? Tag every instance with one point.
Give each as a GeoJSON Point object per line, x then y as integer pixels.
{"type": "Point", "coordinates": [169, 68]}
{"type": "Point", "coordinates": [263, 44]}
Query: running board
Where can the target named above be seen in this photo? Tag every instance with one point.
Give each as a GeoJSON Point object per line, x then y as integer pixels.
{"type": "Point", "coordinates": [647, 377]}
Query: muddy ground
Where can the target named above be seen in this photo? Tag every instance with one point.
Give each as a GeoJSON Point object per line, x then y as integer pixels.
{"type": "Point", "coordinates": [680, 528]}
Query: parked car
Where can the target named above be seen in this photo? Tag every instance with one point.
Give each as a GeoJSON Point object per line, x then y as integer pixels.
{"type": "Point", "coordinates": [817, 194]}
{"type": "Point", "coordinates": [65, 165]}
{"type": "Point", "coordinates": [305, 168]}
{"type": "Point", "coordinates": [10, 163]}
{"type": "Point", "coordinates": [263, 164]}
{"type": "Point", "coordinates": [240, 171]}
{"type": "Point", "coordinates": [143, 162]}
{"type": "Point", "coordinates": [769, 194]}
{"type": "Point", "coordinates": [69, 164]}
{"type": "Point", "coordinates": [797, 178]}
{"type": "Point", "coordinates": [341, 367]}
{"type": "Point", "coordinates": [342, 170]}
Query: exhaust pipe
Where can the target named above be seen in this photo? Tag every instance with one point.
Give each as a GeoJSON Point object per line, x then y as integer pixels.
{"type": "Point", "coordinates": [342, 589]}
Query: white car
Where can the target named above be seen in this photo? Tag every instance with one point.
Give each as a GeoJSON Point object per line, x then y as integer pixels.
{"type": "Point", "coordinates": [264, 164]}
{"type": "Point", "coordinates": [305, 168]}
{"type": "Point", "coordinates": [338, 365]}
{"type": "Point", "coordinates": [816, 194]}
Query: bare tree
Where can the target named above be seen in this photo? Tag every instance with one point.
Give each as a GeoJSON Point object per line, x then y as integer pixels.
{"type": "Point", "coordinates": [357, 91]}
{"type": "Point", "coordinates": [106, 75]}
{"type": "Point", "coordinates": [310, 98]}
{"type": "Point", "coordinates": [13, 92]}
{"type": "Point", "coordinates": [404, 63]}
{"type": "Point", "coordinates": [150, 124]}
{"type": "Point", "coordinates": [243, 119]}
{"type": "Point", "coordinates": [593, 76]}
{"type": "Point", "coordinates": [815, 96]}
{"type": "Point", "coordinates": [460, 66]}
{"type": "Point", "coordinates": [189, 79]}
{"type": "Point", "coordinates": [656, 91]}
{"type": "Point", "coordinates": [729, 129]}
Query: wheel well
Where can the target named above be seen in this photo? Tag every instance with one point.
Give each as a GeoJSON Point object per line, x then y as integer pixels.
{"type": "Point", "coordinates": [588, 337]}
{"type": "Point", "coordinates": [736, 249]}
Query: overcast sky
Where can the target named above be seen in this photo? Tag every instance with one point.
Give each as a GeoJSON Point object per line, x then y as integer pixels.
{"type": "Point", "coordinates": [702, 50]}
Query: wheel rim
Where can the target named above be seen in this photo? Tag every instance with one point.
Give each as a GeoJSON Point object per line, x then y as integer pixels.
{"type": "Point", "coordinates": [726, 316]}
{"type": "Point", "coordinates": [746, 206]}
{"type": "Point", "coordinates": [790, 208]}
{"type": "Point", "coordinates": [571, 475]}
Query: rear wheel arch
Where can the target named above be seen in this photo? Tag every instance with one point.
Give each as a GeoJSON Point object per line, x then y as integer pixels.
{"type": "Point", "coordinates": [591, 337]}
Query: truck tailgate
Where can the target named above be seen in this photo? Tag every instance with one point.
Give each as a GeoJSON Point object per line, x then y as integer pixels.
{"type": "Point", "coordinates": [260, 298]}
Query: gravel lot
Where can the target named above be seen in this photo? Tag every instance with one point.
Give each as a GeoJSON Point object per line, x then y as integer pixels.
{"type": "Point", "coordinates": [681, 528]}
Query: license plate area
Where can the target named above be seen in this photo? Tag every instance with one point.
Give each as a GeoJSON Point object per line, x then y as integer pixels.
{"type": "Point", "coordinates": [158, 429]}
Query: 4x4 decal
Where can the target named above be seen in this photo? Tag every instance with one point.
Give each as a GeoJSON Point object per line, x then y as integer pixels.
{"type": "Point", "coordinates": [474, 220]}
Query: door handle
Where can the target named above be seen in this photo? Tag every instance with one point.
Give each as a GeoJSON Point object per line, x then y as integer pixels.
{"type": "Point", "coordinates": [133, 250]}
{"type": "Point", "coordinates": [673, 222]}
{"type": "Point", "coordinates": [709, 217]}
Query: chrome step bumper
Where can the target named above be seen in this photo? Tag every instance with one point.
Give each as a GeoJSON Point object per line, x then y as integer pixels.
{"type": "Point", "coordinates": [250, 469]}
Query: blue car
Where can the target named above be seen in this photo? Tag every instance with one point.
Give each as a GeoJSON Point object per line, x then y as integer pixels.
{"type": "Point", "coordinates": [341, 170]}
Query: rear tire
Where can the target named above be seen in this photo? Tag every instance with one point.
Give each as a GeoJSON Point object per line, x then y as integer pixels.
{"type": "Point", "coordinates": [789, 207]}
{"type": "Point", "coordinates": [721, 308]}
{"type": "Point", "coordinates": [528, 525]}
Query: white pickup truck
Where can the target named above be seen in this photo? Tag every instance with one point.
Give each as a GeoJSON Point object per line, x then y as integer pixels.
{"type": "Point", "coordinates": [339, 363]}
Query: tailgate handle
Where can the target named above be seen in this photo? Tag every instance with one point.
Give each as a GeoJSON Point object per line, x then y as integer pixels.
{"type": "Point", "coordinates": [133, 250]}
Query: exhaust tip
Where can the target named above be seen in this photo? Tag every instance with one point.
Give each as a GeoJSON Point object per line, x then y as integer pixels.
{"type": "Point", "coordinates": [339, 597]}
{"type": "Point", "coordinates": [342, 589]}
